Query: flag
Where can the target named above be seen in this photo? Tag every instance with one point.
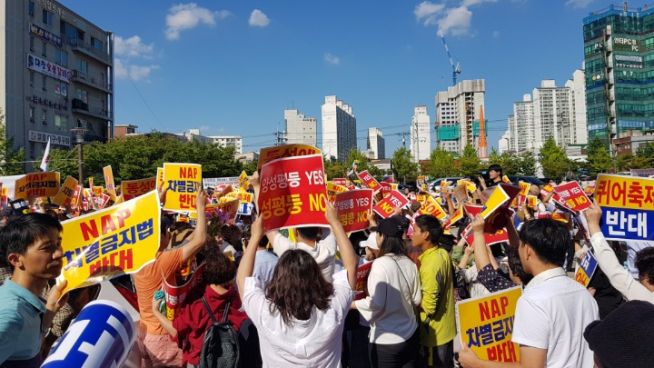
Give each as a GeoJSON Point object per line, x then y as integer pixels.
{"type": "Point", "coordinates": [46, 157]}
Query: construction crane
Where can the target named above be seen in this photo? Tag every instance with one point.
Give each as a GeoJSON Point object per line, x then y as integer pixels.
{"type": "Point", "coordinates": [456, 69]}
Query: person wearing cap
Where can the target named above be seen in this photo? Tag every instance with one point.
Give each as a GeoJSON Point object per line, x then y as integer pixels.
{"type": "Point", "coordinates": [394, 292]}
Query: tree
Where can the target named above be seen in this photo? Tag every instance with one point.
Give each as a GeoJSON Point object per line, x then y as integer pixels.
{"type": "Point", "coordinates": [403, 166]}
{"type": "Point", "coordinates": [469, 162]}
{"type": "Point", "coordinates": [494, 158]}
{"type": "Point", "coordinates": [599, 159]}
{"type": "Point", "coordinates": [11, 160]}
{"type": "Point", "coordinates": [441, 163]}
{"type": "Point", "coordinates": [334, 169]}
{"type": "Point", "coordinates": [527, 164]}
{"type": "Point", "coordinates": [645, 153]}
{"type": "Point", "coordinates": [553, 160]}
{"type": "Point", "coordinates": [64, 161]}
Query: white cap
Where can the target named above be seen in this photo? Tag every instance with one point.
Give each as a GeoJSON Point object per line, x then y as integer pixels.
{"type": "Point", "coordinates": [371, 242]}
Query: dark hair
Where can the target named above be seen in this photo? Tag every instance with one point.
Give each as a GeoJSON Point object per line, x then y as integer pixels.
{"type": "Point", "coordinates": [263, 242]}
{"type": "Point", "coordinates": [430, 224]}
{"type": "Point", "coordinates": [645, 264]}
{"type": "Point", "coordinates": [516, 266]}
{"type": "Point", "coordinates": [309, 233]}
{"type": "Point", "coordinates": [495, 167]}
{"type": "Point", "coordinates": [297, 286]}
{"type": "Point", "coordinates": [232, 235]}
{"type": "Point", "coordinates": [549, 238]}
{"type": "Point", "coordinates": [392, 244]}
{"type": "Point", "coordinates": [23, 231]}
{"type": "Point", "coordinates": [218, 269]}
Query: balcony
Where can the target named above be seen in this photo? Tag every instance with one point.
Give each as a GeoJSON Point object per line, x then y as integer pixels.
{"type": "Point", "coordinates": [88, 50]}
{"type": "Point", "coordinates": [81, 77]}
{"type": "Point", "coordinates": [81, 107]}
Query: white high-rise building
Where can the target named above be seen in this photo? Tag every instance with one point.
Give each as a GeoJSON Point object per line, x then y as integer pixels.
{"type": "Point", "coordinates": [552, 114]}
{"type": "Point", "coordinates": [580, 126]}
{"type": "Point", "coordinates": [457, 115]}
{"type": "Point", "coordinates": [229, 141]}
{"type": "Point", "coordinates": [376, 144]}
{"type": "Point", "coordinates": [300, 129]}
{"type": "Point", "coordinates": [420, 137]}
{"type": "Point", "coordinates": [339, 128]}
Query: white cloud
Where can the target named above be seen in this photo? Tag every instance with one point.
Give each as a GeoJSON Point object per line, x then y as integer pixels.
{"type": "Point", "coordinates": [120, 71]}
{"type": "Point", "coordinates": [456, 22]}
{"type": "Point", "coordinates": [133, 72]}
{"type": "Point", "coordinates": [183, 17]}
{"type": "Point", "coordinates": [132, 47]}
{"type": "Point", "coordinates": [258, 19]}
{"type": "Point", "coordinates": [332, 59]}
{"type": "Point", "coordinates": [426, 12]}
{"type": "Point", "coordinates": [580, 4]}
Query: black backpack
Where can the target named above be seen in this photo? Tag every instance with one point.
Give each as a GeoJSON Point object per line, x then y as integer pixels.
{"type": "Point", "coordinates": [220, 348]}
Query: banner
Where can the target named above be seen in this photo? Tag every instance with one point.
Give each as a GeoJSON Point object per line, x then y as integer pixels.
{"type": "Point", "coordinates": [501, 236]}
{"type": "Point", "coordinates": [572, 196]}
{"type": "Point", "coordinates": [429, 206]}
{"type": "Point", "coordinates": [586, 269]}
{"type": "Point", "coordinates": [118, 240]}
{"type": "Point", "coordinates": [220, 183]}
{"type": "Point", "coordinates": [109, 180]}
{"type": "Point", "coordinates": [293, 193]}
{"type": "Point", "coordinates": [134, 188]}
{"type": "Point", "coordinates": [486, 325]}
{"type": "Point", "coordinates": [368, 180]}
{"type": "Point", "coordinates": [160, 177]}
{"type": "Point", "coordinates": [176, 295]}
{"type": "Point", "coordinates": [524, 191]}
{"type": "Point", "coordinates": [289, 150]}
{"type": "Point", "coordinates": [628, 207]}
{"type": "Point", "coordinates": [353, 208]}
{"type": "Point", "coordinates": [183, 182]}
{"type": "Point", "coordinates": [37, 184]}
{"type": "Point", "coordinates": [388, 205]}
{"type": "Point", "coordinates": [66, 192]}
{"type": "Point", "coordinates": [361, 288]}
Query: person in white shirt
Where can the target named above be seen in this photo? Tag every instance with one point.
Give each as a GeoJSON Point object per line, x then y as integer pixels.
{"type": "Point", "coordinates": [299, 315]}
{"type": "Point", "coordinates": [618, 276]}
{"type": "Point", "coordinates": [553, 310]}
{"type": "Point", "coordinates": [394, 292]}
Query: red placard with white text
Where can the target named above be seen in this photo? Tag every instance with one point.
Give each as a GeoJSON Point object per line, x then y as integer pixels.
{"type": "Point", "coordinates": [501, 236]}
{"type": "Point", "coordinates": [572, 196]}
{"type": "Point", "coordinates": [368, 180]}
{"type": "Point", "coordinates": [353, 207]}
{"type": "Point", "coordinates": [293, 193]}
{"type": "Point", "coordinates": [388, 205]}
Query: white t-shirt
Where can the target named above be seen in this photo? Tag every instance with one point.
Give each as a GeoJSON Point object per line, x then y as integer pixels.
{"type": "Point", "coordinates": [393, 293]}
{"type": "Point", "coordinates": [324, 252]}
{"type": "Point", "coordinates": [316, 342]}
{"type": "Point", "coordinates": [552, 314]}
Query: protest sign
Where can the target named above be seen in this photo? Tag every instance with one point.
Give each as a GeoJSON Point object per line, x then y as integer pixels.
{"type": "Point", "coordinates": [293, 193]}
{"type": "Point", "coordinates": [429, 206]}
{"type": "Point", "coordinates": [524, 191]}
{"type": "Point", "coordinates": [454, 218]}
{"type": "Point", "coordinates": [221, 183]}
{"type": "Point", "coordinates": [333, 189]}
{"type": "Point", "coordinates": [76, 201]}
{"type": "Point", "coordinates": [501, 196]}
{"type": "Point", "coordinates": [486, 325]}
{"type": "Point", "coordinates": [109, 181]}
{"type": "Point", "coordinates": [160, 177]}
{"type": "Point", "coordinates": [369, 181]}
{"type": "Point", "coordinates": [183, 181]}
{"type": "Point", "coordinates": [473, 209]}
{"type": "Point", "coordinates": [66, 192]}
{"type": "Point", "coordinates": [361, 287]}
{"type": "Point", "coordinates": [532, 201]}
{"type": "Point", "coordinates": [627, 207]}
{"type": "Point", "coordinates": [243, 180]}
{"type": "Point", "coordinates": [571, 196]}
{"type": "Point", "coordinates": [586, 269]}
{"type": "Point", "coordinates": [500, 236]}
{"type": "Point", "coordinates": [176, 295]}
{"type": "Point", "coordinates": [114, 241]}
{"type": "Point", "coordinates": [289, 150]}
{"type": "Point", "coordinates": [134, 188]}
{"type": "Point", "coordinates": [37, 184]}
{"type": "Point", "coordinates": [353, 208]}
{"type": "Point", "coordinates": [386, 207]}
{"type": "Point", "coordinates": [340, 181]}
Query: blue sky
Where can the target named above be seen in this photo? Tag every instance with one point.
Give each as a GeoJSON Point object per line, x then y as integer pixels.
{"type": "Point", "coordinates": [232, 66]}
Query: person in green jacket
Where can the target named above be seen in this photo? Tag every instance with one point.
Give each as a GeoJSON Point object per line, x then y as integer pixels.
{"type": "Point", "coordinates": [437, 328]}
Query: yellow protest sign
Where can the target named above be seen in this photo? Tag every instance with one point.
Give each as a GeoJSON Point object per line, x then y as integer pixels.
{"type": "Point", "coordinates": [109, 181]}
{"type": "Point", "coordinates": [486, 325]}
{"type": "Point", "coordinates": [113, 241]}
{"type": "Point", "coordinates": [66, 192]}
{"type": "Point", "coordinates": [243, 180]}
{"type": "Point", "coordinates": [183, 182]}
{"type": "Point", "coordinates": [429, 206]}
{"type": "Point", "coordinates": [496, 199]}
{"type": "Point", "coordinates": [37, 184]}
{"type": "Point", "coordinates": [160, 177]}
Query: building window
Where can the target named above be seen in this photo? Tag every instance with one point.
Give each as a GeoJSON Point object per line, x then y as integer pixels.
{"type": "Point", "coordinates": [31, 114]}
{"type": "Point", "coordinates": [44, 79]}
{"type": "Point", "coordinates": [32, 153]}
{"type": "Point", "coordinates": [31, 8]}
{"type": "Point", "coordinates": [44, 117]}
{"type": "Point", "coordinates": [82, 95]}
{"type": "Point", "coordinates": [44, 49]}
{"type": "Point", "coordinates": [60, 122]}
{"type": "Point", "coordinates": [83, 66]}
{"type": "Point", "coordinates": [97, 44]}
{"type": "Point", "coordinates": [62, 58]}
{"type": "Point", "coordinates": [47, 18]}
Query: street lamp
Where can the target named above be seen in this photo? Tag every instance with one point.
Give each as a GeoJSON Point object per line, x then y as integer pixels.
{"type": "Point", "coordinates": [79, 139]}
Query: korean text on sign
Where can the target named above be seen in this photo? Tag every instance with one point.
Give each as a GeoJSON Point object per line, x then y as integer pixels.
{"type": "Point", "coordinates": [134, 188]}
{"type": "Point", "coordinates": [117, 240]}
{"type": "Point", "coordinates": [37, 184]}
{"type": "Point", "coordinates": [627, 207]}
{"type": "Point", "coordinates": [369, 181]}
{"type": "Point", "coordinates": [183, 182]}
{"type": "Point", "coordinates": [290, 150]}
{"type": "Point", "coordinates": [586, 269]}
{"type": "Point", "coordinates": [293, 193]}
{"type": "Point", "coordinates": [353, 208]}
{"type": "Point", "coordinates": [486, 325]}
{"type": "Point", "coordinates": [388, 205]}
{"type": "Point", "coordinates": [572, 196]}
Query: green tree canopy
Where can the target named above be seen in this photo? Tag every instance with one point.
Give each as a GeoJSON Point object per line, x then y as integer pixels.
{"type": "Point", "coordinates": [441, 163]}
{"type": "Point", "coordinates": [599, 159]}
{"type": "Point", "coordinates": [403, 166]}
{"type": "Point", "coordinates": [469, 162]}
{"type": "Point", "coordinates": [553, 160]}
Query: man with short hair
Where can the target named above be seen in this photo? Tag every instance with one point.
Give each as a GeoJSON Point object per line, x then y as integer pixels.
{"type": "Point", "coordinates": [495, 174]}
{"type": "Point", "coordinates": [554, 309]}
{"type": "Point", "coordinates": [31, 244]}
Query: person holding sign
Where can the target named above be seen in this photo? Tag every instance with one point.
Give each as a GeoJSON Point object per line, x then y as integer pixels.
{"type": "Point", "coordinates": [553, 309]}
{"type": "Point", "coordinates": [31, 244]}
{"type": "Point", "coordinates": [394, 292]}
{"type": "Point", "coordinates": [437, 306]}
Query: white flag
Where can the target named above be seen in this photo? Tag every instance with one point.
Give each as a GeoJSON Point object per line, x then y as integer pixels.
{"type": "Point", "coordinates": [46, 157]}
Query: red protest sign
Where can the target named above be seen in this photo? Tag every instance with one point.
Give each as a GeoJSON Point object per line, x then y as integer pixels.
{"type": "Point", "coordinates": [385, 187]}
{"type": "Point", "coordinates": [353, 208]}
{"type": "Point", "coordinates": [361, 289]}
{"type": "Point", "coordinates": [340, 181]}
{"type": "Point", "coordinates": [572, 196]}
{"type": "Point", "coordinates": [501, 236]}
{"type": "Point", "coordinates": [289, 150]}
{"type": "Point", "coordinates": [368, 180]}
{"type": "Point", "coordinates": [293, 193]}
{"type": "Point", "coordinates": [387, 206]}
{"type": "Point", "coordinates": [473, 209]}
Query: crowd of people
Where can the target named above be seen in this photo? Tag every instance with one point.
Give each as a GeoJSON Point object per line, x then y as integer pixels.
{"type": "Point", "coordinates": [290, 297]}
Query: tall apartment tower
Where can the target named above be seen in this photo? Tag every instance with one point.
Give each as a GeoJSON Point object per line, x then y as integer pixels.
{"type": "Point", "coordinates": [420, 134]}
{"type": "Point", "coordinates": [376, 144]}
{"type": "Point", "coordinates": [339, 129]}
{"type": "Point", "coordinates": [457, 115]}
{"type": "Point", "coordinates": [56, 74]}
{"type": "Point", "coordinates": [300, 129]}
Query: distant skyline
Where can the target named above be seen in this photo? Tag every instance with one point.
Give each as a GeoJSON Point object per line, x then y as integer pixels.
{"type": "Point", "coordinates": [232, 67]}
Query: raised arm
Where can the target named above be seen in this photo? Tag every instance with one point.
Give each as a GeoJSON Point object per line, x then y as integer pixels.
{"type": "Point", "coordinates": [246, 267]}
{"type": "Point", "coordinates": [199, 236]}
{"type": "Point", "coordinates": [482, 258]}
{"type": "Point", "coordinates": [348, 256]}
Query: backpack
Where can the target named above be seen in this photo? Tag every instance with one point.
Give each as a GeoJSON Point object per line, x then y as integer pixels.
{"type": "Point", "coordinates": [220, 348]}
